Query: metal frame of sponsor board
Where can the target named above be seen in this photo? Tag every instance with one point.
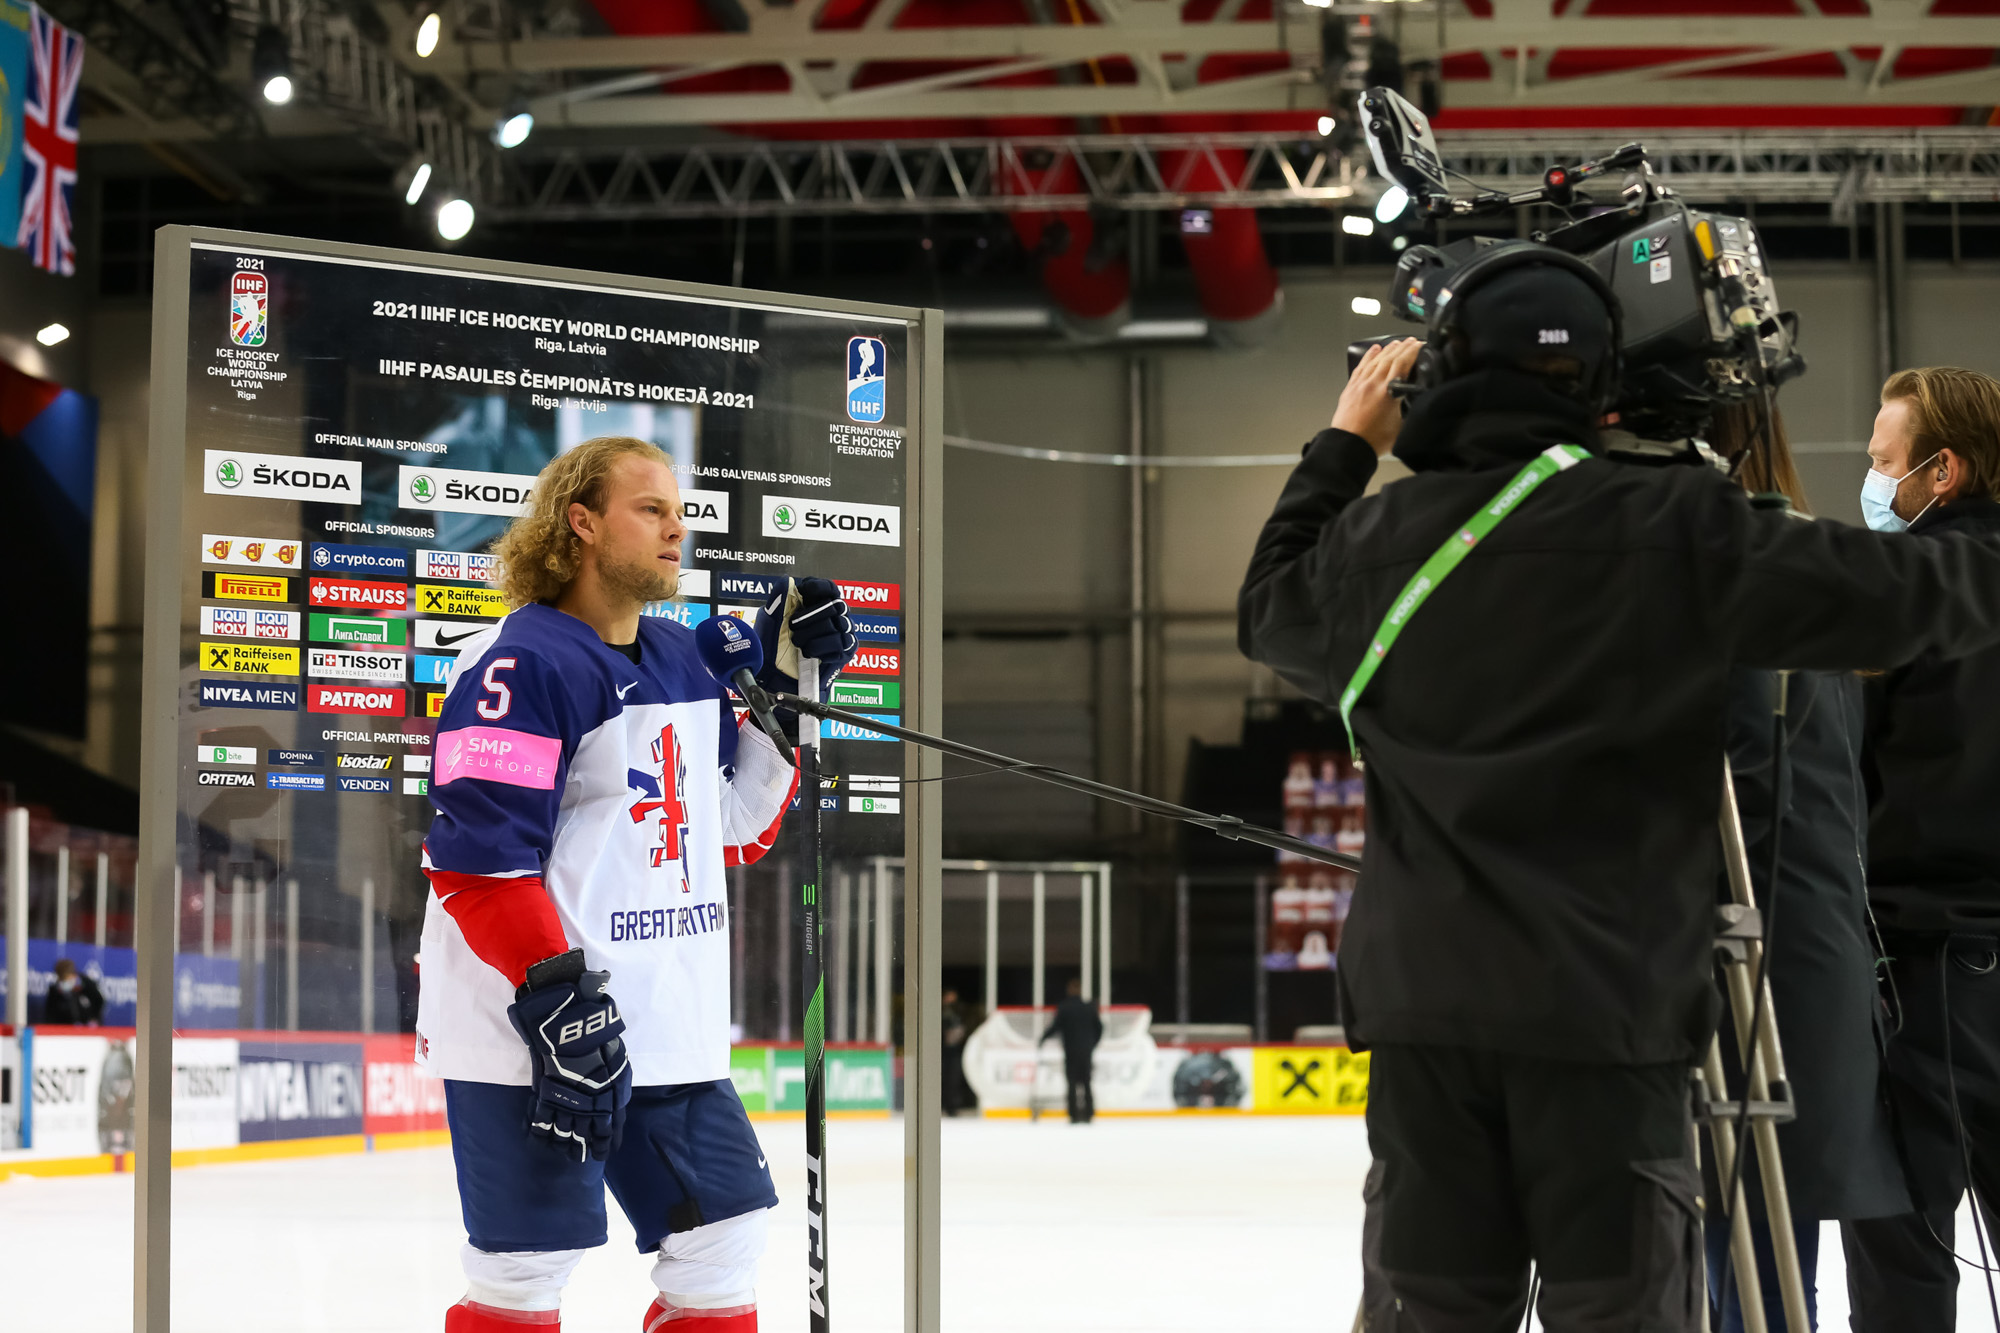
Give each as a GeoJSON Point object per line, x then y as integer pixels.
{"type": "Point", "coordinates": [156, 890]}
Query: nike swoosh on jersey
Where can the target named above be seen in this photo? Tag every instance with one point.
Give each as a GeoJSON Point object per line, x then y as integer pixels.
{"type": "Point", "coordinates": [621, 693]}
{"type": "Point", "coordinates": [760, 1160]}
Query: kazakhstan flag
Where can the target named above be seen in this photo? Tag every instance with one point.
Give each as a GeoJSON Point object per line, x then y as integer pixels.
{"type": "Point", "coordinates": [13, 88]}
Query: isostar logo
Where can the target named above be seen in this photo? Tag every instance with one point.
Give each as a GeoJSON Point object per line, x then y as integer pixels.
{"type": "Point", "coordinates": [363, 763]}
{"type": "Point", "coordinates": [457, 566]}
{"type": "Point", "coordinates": [280, 477]}
{"type": "Point", "coordinates": [250, 552]}
{"type": "Point", "coordinates": [249, 309]}
{"type": "Point", "coordinates": [225, 754]}
{"type": "Point", "coordinates": [357, 629]}
{"type": "Point", "coordinates": [357, 595]}
{"type": "Point", "coordinates": [380, 561]}
{"type": "Point", "coordinates": [350, 699]}
{"type": "Point", "coordinates": [447, 599]}
{"type": "Point", "coordinates": [295, 781]}
{"type": "Point", "coordinates": [250, 659]}
{"type": "Point", "coordinates": [240, 622]}
{"type": "Point", "coordinates": [211, 778]}
{"type": "Point", "coordinates": [871, 596]}
{"type": "Point", "coordinates": [363, 784]}
{"type": "Point", "coordinates": [739, 587]}
{"type": "Point", "coordinates": [249, 587]}
{"type": "Point", "coordinates": [446, 636]}
{"type": "Point", "coordinates": [867, 382]}
{"type": "Point", "coordinates": [867, 694]}
{"type": "Point", "coordinates": [832, 521]}
{"type": "Point", "coordinates": [887, 629]}
{"type": "Point", "coordinates": [457, 491]}
{"type": "Point", "coordinates": [342, 664]}
{"type": "Point", "coordinates": [248, 694]}
{"type": "Point", "coordinates": [297, 758]}
{"type": "Point", "coordinates": [705, 511]}
{"type": "Point", "coordinates": [876, 662]}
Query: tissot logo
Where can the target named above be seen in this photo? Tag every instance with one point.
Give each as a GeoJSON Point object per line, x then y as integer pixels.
{"type": "Point", "coordinates": [343, 664]}
{"type": "Point", "coordinates": [281, 477]}
{"type": "Point", "coordinates": [455, 490]}
{"type": "Point", "coordinates": [832, 521]}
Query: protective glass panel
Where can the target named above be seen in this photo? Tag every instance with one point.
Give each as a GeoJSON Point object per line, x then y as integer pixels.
{"type": "Point", "coordinates": [359, 431]}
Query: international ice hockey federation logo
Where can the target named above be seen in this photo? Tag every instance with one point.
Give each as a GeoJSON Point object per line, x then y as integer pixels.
{"type": "Point", "coordinates": [249, 309]}
{"type": "Point", "coordinates": [867, 387]}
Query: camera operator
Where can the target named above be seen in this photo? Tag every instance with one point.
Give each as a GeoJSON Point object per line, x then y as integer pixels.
{"type": "Point", "coordinates": [1931, 757]}
{"type": "Point", "coordinates": [1529, 952]}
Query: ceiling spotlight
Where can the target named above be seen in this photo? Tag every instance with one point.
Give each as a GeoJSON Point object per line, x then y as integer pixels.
{"type": "Point", "coordinates": [50, 335]}
{"type": "Point", "coordinates": [1357, 224]}
{"type": "Point", "coordinates": [1365, 305]}
{"type": "Point", "coordinates": [271, 65]}
{"type": "Point", "coordinates": [429, 28]}
{"type": "Point", "coordinates": [419, 178]}
{"type": "Point", "coordinates": [1325, 126]}
{"type": "Point", "coordinates": [454, 219]}
{"type": "Point", "coordinates": [514, 128]}
{"type": "Point", "coordinates": [1390, 206]}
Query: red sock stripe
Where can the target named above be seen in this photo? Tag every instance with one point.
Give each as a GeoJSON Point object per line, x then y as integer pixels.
{"type": "Point", "coordinates": [509, 923]}
{"type": "Point", "coordinates": [469, 1316]}
{"type": "Point", "coordinates": [664, 1318]}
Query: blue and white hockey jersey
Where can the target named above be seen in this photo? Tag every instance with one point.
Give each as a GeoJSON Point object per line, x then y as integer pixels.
{"type": "Point", "coordinates": [626, 789]}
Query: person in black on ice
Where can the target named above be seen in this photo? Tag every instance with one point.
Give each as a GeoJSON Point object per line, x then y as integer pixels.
{"type": "Point", "coordinates": [951, 1073]}
{"type": "Point", "coordinates": [73, 998]}
{"type": "Point", "coordinates": [1080, 1028]}
{"type": "Point", "coordinates": [1529, 951]}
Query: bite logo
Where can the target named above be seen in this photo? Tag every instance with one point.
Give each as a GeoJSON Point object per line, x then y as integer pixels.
{"type": "Point", "coordinates": [249, 309]}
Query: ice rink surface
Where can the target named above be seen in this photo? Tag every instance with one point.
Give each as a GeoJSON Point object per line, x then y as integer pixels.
{"type": "Point", "coordinates": [1145, 1225]}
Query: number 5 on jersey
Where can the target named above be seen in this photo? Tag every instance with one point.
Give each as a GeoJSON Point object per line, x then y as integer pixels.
{"type": "Point", "coordinates": [503, 698]}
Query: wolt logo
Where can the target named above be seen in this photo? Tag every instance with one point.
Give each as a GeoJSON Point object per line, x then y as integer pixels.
{"type": "Point", "coordinates": [664, 793]}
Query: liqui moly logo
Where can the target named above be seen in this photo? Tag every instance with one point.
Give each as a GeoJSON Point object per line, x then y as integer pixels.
{"type": "Point", "coordinates": [249, 309]}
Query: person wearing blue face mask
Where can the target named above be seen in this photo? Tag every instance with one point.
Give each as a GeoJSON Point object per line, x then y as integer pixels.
{"type": "Point", "coordinates": [1930, 760]}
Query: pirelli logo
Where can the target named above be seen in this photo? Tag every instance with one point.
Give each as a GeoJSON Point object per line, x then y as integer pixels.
{"type": "Point", "coordinates": [443, 599]}
{"type": "Point", "coordinates": [250, 659]}
{"type": "Point", "coordinates": [249, 587]}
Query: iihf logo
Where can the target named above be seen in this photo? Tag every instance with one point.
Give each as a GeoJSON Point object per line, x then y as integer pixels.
{"type": "Point", "coordinates": [867, 387]}
{"type": "Point", "coordinates": [249, 301]}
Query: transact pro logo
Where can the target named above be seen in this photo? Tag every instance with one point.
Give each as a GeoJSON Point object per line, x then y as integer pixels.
{"type": "Point", "coordinates": [832, 521]}
{"type": "Point", "coordinates": [705, 511]}
{"type": "Point", "coordinates": [458, 491]}
{"type": "Point", "coordinates": [867, 385]}
{"type": "Point", "coordinates": [295, 781]}
{"type": "Point", "coordinates": [355, 595]}
{"type": "Point", "coordinates": [249, 694]}
{"type": "Point", "coordinates": [243, 622]}
{"type": "Point", "coordinates": [380, 561]}
{"type": "Point", "coordinates": [280, 476]}
{"type": "Point", "coordinates": [354, 699]}
{"type": "Point", "coordinates": [249, 309]}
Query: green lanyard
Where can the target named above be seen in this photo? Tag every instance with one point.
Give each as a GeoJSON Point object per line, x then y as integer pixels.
{"type": "Point", "coordinates": [1446, 558]}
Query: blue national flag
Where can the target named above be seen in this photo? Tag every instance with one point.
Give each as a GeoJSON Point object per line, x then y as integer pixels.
{"type": "Point", "coordinates": [13, 88]}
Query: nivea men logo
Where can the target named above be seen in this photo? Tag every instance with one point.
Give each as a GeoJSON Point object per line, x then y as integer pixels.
{"type": "Point", "coordinates": [280, 477]}
{"type": "Point", "coordinates": [801, 519]}
{"type": "Point", "coordinates": [458, 491]}
{"type": "Point", "coordinates": [735, 586]}
{"type": "Point", "coordinates": [249, 694]}
{"type": "Point", "coordinates": [705, 511]}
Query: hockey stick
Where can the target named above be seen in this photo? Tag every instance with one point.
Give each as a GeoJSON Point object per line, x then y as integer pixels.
{"type": "Point", "coordinates": [812, 961]}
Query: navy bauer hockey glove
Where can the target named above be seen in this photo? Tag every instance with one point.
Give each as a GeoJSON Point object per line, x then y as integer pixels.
{"type": "Point", "coordinates": [804, 618]}
{"type": "Point", "coordinates": [581, 1077]}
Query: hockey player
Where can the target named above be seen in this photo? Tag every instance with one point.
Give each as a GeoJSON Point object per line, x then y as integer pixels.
{"type": "Point", "coordinates": [591, 785]}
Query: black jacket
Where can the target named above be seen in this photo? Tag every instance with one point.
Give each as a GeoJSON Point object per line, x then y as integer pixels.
{"type": "Point", "coordinates": [1544, 746]}
{"type": "Point", "coordinates": [1079, 1026]}
{"type": "Point", "coordinates": [83, 1005]}
{"type": "Point", "coordinates": [1932, 762]}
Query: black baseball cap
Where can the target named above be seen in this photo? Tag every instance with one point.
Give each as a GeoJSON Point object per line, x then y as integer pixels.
{"type": "Point", "coordinates": [1541, 319]}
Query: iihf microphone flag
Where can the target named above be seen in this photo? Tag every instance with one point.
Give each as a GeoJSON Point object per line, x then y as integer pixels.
{"type": "Point", "coordinates": [14, 23]}
{"type": "Point", "coordinates": [50, 118]}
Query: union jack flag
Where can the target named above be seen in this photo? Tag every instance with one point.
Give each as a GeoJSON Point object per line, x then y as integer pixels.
{"type": "Point", "coordinates": [48, 147]}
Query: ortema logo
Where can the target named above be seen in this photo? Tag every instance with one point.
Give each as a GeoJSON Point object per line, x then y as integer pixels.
{"type": "Point", "coordinates": [225, 754]}
{"type": "Point", "coordinates": [295, 781]}
{"type": "Point", "coordinates": [337, 664]}
{"type": "Point", "coordinates": [370, 703]}
{"type": "Point", "coordinates": [210, 778]}
{"type": "Point", "coordinates": [280, 477]}
{"type": "Point", "coordinates": [363, 784]}
{"type": "Point", "coordinates": [236, 622]}
{"type": "Point", "coordinates": [445, 636]}
{"type": "Point", "coordinates": [877, 662]}
{"type": "Point", "coordinates": [249, 587]}
{"type": "Point", "coordinates": [248, 694]}
{"type": "Point", "coordinates": [381, 561]}
{"type": "Point", "coordinates": [369, 596]}
{"type": "Point", "coordinates": [735, 587]}
{"type": "Point", "coordinates": [867, 389]}
{"type": "Point", "coordinates": [460, 492]}
{"type": "Point", "coordinates": [252, 552]}
{"type": "Point", "coordinates": [457, 566]}
{"type": "Point", "coordinates": [363, 763]}
{"type": "Point", "coordinates": [705, 511]}
{"type": "Point", "coordinates": [445, 599]}
{"type": "Point", "coordinates": [832, 521]}
{"type": "Point", "coordinates": [871, 596]}
{"type": "Point", "coordinates": [250, 659]}
{"type": "Point", "coordinates": [249, 309]}
{"type": "Point", "coordinates": [358, 629]}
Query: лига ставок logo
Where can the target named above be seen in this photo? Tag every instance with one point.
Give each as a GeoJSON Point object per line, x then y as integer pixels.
{"type": "Point", "coordinates": [867, 385]}
{"type": "Point", "coordinates": [249, 309]}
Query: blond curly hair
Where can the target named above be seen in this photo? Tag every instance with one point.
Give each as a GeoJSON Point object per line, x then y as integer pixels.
{"type": "Point", "coordinates": [540, 553]}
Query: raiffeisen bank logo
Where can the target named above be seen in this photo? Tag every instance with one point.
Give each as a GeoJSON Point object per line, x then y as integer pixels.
{"type": "Point", "coordinates": [249, 309]}
{"type": "Point", "coordinates": [458, 491]}
{"type": "Point", "coordinates": [867, 382]}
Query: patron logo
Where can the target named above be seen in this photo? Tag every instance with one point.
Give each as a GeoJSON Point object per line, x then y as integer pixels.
{"type": "Point", "coordinates": [705, 511]}
{"type": "Point", "coordinates": [214, 778]}
{"type": "Point", "coordinates": [297, 758]}
{"type": "Point", "coordinates": [358, 629]}
{"type": "Point", "coordinates": [380, 561]}
{"type": "Point", "coordinates": [225, 754]}
{"type": "Point", "coordinates": [250, 659]}
{"type": "Point", "coordinates": [867, 382]}
{"type": "Point", "coordinates": [886, 629]}
{"type": "Point", "coordinates": [280, 477]}
{"type": "Point", "coordinates": [416, 786]}
{"type": "Point", "coordinates": [801, 519]}
{"type": "Point", "coordinates": [363, 763]}
{"type": "Point", "coordinates": [340, 664]}
{"type": "Point", "coordinates": [693, 584]}
{"type": "Point", "coordinates": [249, 309]}
{"type": "Point", "coordinates": [847, 731]}
{"type": "Point", "coordinates": [249, 588]}
{"type": "Point", "coordinates": [251, 552]}
{"type": "Point", "coordinates": [432, 669]}
{"type": "Point", "coordinates": [877, 662]}
{"type": "Point", "coordinates": [363, 784]}
{"type": "Point", "coordinates": [681, 613]}
{"type": "Point", "coordinates": [457, 491]}
{"type": "Point", "coordinates": [236, 622]}
{"type": "Point", "coordinates": [353, 700]}
{"type": "Point", "coordinates": [866, 694]}
{"type": "Point", "coordinates": [249, 694]}
{"type": "Point", "coordinates": [445, 599]}
{"type": "Point", "coordinates": [447, 636]}
{"type": "Point", "coordinates": [358, 596]}
{"type": "Point", "coordinates": [871, 596]}
{"type": "Point", "coordinates": [295, 781]}
{"type": "Point", "coordinates": [457, 566]}
{"type": "Point", "coordinates": [734, 586]}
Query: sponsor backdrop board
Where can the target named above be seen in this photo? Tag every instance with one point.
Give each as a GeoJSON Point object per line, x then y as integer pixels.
{"type": "Point", "coordinates": [352, 429]}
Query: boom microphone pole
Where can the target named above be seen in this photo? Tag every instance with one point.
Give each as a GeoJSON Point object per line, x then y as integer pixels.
{"type": "Point", "coordinates": [1223, 826]}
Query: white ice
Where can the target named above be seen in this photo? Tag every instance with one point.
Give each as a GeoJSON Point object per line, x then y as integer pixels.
{"type": "Point", "coordinates": [1149, 1225]}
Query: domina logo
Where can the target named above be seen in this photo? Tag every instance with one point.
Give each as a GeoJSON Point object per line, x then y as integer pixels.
{"type": "Point", "coordinates": [422, 488]}
{"type": "Point", "coordinates": [784, 518]}
{"type": "Point", "coordinates": [229, 474]}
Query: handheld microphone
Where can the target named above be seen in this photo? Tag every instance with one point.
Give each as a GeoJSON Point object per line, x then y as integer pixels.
{"type": "Point", "coordinates": [732, 654]}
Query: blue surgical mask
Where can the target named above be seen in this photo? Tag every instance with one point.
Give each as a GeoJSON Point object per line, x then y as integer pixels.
{"type": "Point", "coordinates": [1878, 499]}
